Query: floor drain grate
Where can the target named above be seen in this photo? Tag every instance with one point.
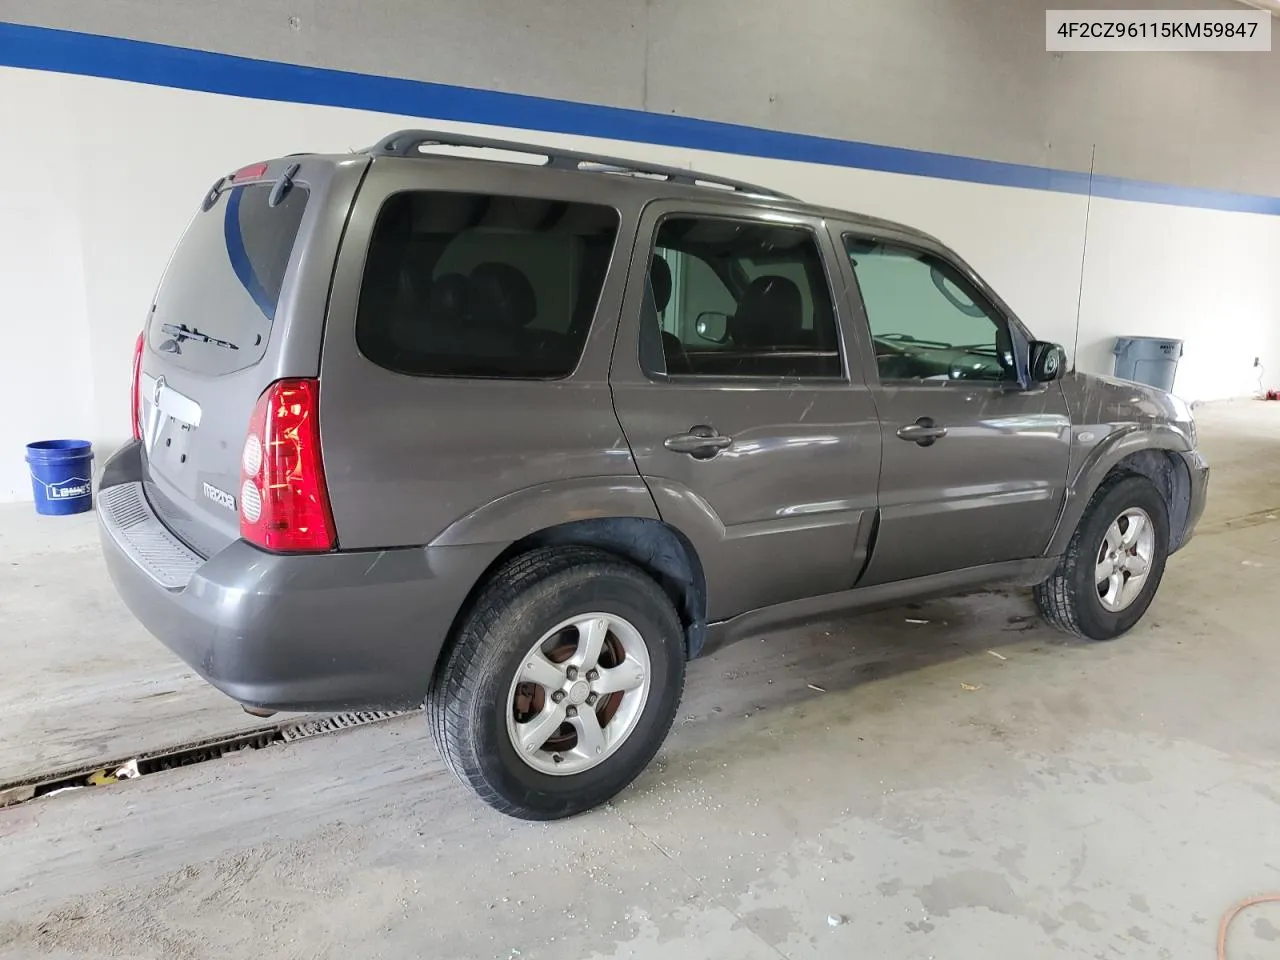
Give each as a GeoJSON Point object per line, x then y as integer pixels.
{"type": "Point", "coordinates": [339, 721]}
{"type": "Point", "coordinates": [185, 755]}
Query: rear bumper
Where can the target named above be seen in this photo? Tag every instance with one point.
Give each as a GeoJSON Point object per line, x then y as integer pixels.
{"type": "Point", "coordinates": [1198, 471]}
{"type": "Point", "coordinates": [320, 632]}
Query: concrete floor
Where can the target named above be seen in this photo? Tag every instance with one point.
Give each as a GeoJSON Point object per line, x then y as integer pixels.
{"type": "Point", "coordinates": [970, 787]}
{"type": "Point", "coordinates": [81, 681]}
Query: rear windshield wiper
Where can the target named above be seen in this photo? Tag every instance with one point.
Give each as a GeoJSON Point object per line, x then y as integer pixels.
{"type": "Point", "coordinates": [180, 332]}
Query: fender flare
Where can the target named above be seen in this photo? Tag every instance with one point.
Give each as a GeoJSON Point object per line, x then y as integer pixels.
{"type": "Point", "coordinates": [1101, 460]}
{"type": "Point", "coordinates": [616, 513]}
{"type": "Point", "coordinates": [514, 516]}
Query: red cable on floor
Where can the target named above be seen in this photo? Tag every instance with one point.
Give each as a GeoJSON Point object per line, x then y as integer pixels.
{"type": "Point", "coordinates": [1233, 912]}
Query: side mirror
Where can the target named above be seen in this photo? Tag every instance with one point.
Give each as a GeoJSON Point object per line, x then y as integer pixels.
{"type": "Point", "coordinates": [712, 326]}
{"type": "Point", "coordinates": [1048, 361]}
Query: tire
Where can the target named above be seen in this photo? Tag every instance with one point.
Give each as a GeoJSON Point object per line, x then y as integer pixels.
{"type": "Point", "coordinates": [474, 702]}
{"type": "Point", "coordinates": [1071, 599]}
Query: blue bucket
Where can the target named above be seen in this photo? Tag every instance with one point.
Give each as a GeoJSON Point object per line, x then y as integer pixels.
{"type": "Point", "coordinates": [61, 476]}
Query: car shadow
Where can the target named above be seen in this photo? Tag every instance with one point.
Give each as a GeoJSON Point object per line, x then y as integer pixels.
{"type": "Point", "coordinates": [777, 669]}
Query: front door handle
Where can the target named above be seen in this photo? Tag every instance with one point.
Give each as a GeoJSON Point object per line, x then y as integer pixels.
{"type": "Point", "coordinates": [924, 431]}
{"type": "Point", "coordinates": [701, 442]}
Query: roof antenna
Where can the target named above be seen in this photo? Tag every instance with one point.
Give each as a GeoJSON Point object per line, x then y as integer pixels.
{"type": "Point", "coordinates": [1084, 249]}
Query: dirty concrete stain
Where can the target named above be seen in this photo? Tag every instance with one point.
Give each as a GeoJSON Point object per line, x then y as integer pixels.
{"type": "Point", "coordinates": [969, 889]}
{"type": "Point", "coordinates": [1078, 863]}
{"type": "Point", "coordinates": [1263, 790]}
{"type": "Point", "coordinates": [1082, 915]}
{"type": "Point", "coordinates": [1009, 858]}
{"type": "Point", "coordinates": [771, 924]}
{"type": "Point", "coordinates": [1131, 774]}
{"type": "Point", "coordinates": [1051, 925]}
{"type": "Point", "coordinates": [1264, 929]}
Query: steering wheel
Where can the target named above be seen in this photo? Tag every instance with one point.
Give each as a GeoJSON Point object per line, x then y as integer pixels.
{"type": "Point", "coordinates": [975, 365]}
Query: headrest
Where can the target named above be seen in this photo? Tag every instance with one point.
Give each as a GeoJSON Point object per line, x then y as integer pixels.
{"type": "Point", "coordinates": [771, 314]}
{"type": "Point", "coordinates": [501, 294]}
{"type": "Point", "coordinates": [660, 281]}
{"type": "Point", "coordinates": [450, 297]}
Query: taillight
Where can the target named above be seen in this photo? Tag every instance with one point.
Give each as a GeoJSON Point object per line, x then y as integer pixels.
{"type": "Point", "coordinates": [135, 394]}
{"type": "Point", "coordinates": [284, 503]}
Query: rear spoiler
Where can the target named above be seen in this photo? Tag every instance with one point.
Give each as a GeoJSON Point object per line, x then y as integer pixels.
{"type": "Point", "coordinates": [252, 173]}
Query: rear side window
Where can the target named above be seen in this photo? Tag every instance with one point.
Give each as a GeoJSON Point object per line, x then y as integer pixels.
{"type": "Point", "coordinates": [738, 298]}
{"type": "Point", "coordinates": [217, 301]}
{"type": "Point", "coordinates": [473, 285]}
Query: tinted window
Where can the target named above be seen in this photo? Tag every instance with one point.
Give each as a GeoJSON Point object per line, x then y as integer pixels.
{"type": "Point", "coordinates": [739, 298]}
{"type": "Point", "coordinates": [224, 280]}
{"type": "Point", "coordinates": [470, 285]}
{"type": "Point", "coordinates": [927, 320]}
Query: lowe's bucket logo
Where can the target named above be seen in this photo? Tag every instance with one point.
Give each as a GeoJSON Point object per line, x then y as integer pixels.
{"type": "Point", "coordinates": [68, 489]}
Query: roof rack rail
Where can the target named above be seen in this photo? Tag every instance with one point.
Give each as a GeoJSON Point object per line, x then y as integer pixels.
{"type": "Point", "coordinates": [406, 143]}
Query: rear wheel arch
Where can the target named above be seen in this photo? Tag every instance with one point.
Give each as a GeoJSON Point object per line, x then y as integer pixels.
{"type": "Point", "coordinates": [554, 631]}
{"type": "Point", "coordinates": [656, 548]}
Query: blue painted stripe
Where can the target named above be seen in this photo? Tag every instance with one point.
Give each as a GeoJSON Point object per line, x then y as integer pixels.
{"type": "Point", "coordinates": [38, 48]}
{"type": "Point", "coordinates": [239, 256]}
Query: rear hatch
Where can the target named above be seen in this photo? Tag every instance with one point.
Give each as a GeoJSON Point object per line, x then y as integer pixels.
{"type": "Point", "coordinates": [213, 342]}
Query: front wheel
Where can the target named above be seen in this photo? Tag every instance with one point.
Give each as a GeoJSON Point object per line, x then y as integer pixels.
{"type": "Point", "coordinates": [563, 682]}
{"type": "Point", "coordinates": [1114, 563]}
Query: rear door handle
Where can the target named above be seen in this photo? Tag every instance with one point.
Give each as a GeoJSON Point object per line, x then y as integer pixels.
{"type": "Point", "coordinates": [924, 431]}
{"type": "Point", "coordinates": [701, 442]}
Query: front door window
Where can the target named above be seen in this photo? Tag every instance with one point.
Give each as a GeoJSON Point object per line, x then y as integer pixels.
{"type": "Point", "coordinates": [927, 321]}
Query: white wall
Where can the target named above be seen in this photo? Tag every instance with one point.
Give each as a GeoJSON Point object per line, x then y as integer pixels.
{"type": "Point", "coordinates": [960, 77]}
{"type": "Point", "coordinates": [107, 174]}
{"type": "Point", "coordinates": [46, 388]}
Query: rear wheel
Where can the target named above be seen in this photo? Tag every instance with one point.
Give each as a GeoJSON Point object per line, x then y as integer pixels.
{"type": "Point", "coordinates": [562, 684]}
{"type": "Point", "coordinates": [1114, 563]}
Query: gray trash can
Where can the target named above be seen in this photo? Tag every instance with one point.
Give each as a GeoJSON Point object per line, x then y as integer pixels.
{"type": "Point", "coordinates": [1149, 360]}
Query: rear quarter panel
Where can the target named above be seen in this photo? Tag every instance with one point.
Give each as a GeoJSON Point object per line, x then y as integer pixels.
{"type": "Point", "coordinates": [406, 456]}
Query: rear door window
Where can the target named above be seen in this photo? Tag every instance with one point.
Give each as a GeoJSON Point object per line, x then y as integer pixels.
{"type": "Point", "coordinates": [218, 298]}
{"type": "Point", "coordinates": [740, 298]}
{"type": "Point", "coordinates": [474, 285]}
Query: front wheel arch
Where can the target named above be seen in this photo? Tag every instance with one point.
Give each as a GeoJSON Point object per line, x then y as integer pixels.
{"type": "Point", "coordinates": [1152, 452]}
{"type": "Point", "coordinates": [1068, 599]}
{"type": "Point", "coordinates": [1171, 476]}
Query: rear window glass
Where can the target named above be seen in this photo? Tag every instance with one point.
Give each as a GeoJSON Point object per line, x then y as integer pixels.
{"type": "Point", "coordinates": [217, 301]}
{"type": "Point", "coordinates": [473, 285]}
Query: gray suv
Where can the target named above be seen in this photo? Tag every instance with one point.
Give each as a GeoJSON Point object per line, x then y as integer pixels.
{"type": "Point", "coordinates": [517, 432]}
